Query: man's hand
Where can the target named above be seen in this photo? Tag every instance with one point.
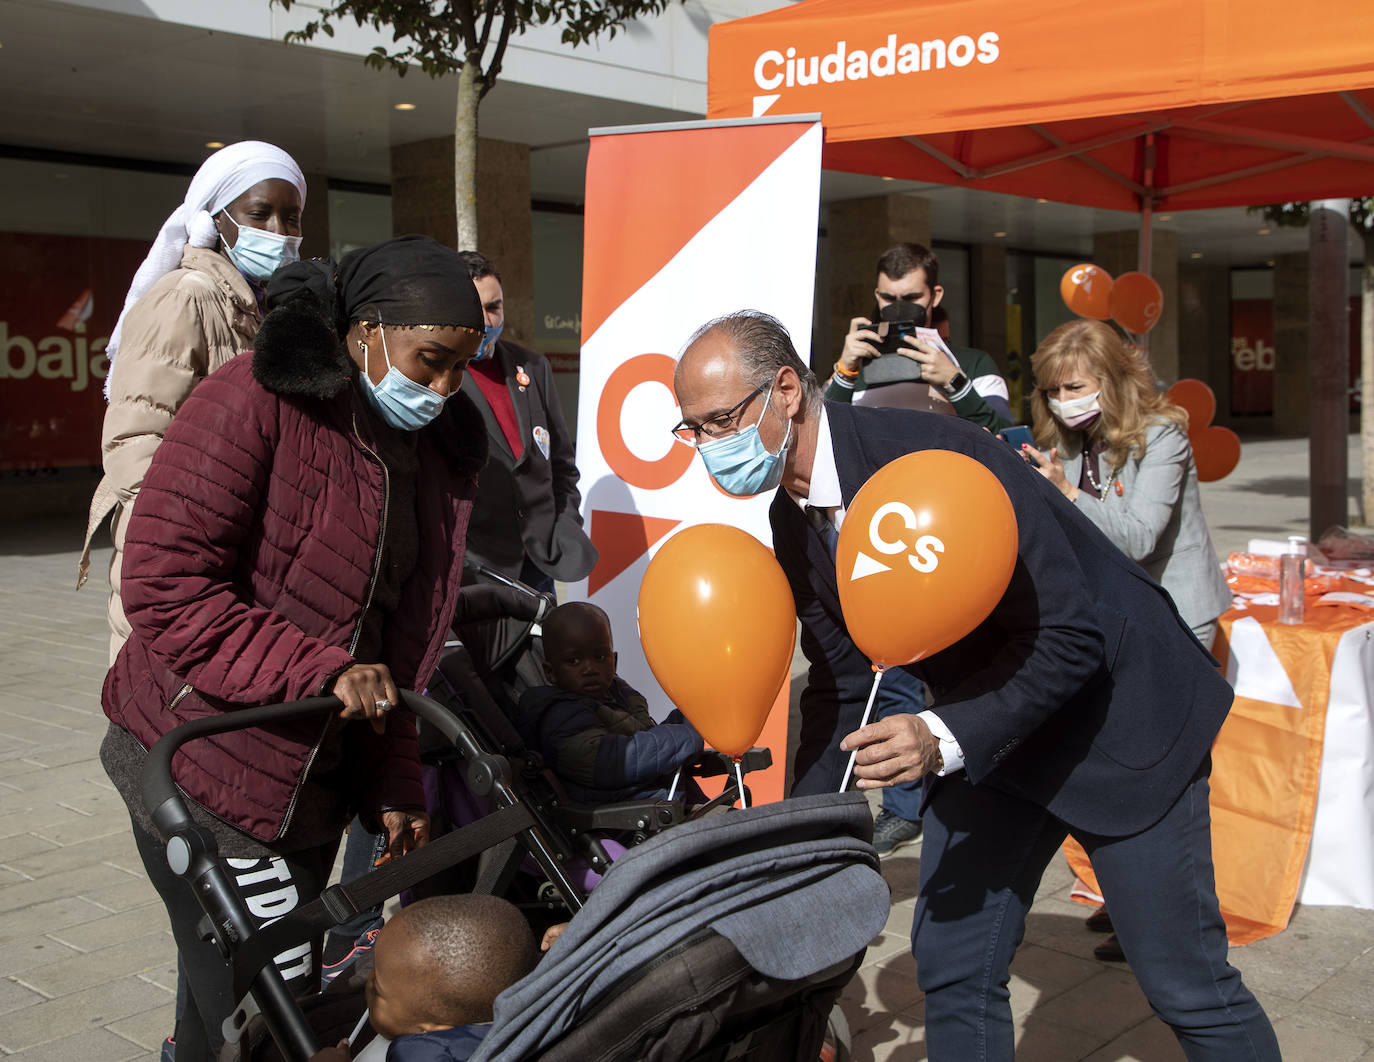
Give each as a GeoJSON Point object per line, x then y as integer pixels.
{"type": "Point", "coordinates": [894, 750]}
{"type": "Point", "coordinates": [404, 830]}
{"type": "Point", "coordinates": [857, 348]}
{"type": "Point", "coordinates": [936, 366]}
{"type": "Point", "coordinates": [337, 1053]}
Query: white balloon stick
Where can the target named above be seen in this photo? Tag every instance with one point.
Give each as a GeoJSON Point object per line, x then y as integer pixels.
{"type": "Point", "coordinates": [868, 713]}
{"type": "Point", "coordinates": [739, 778]}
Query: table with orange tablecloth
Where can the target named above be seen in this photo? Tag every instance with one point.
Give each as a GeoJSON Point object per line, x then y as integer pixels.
{"type": "Point", "coordinates": [1292, 769]}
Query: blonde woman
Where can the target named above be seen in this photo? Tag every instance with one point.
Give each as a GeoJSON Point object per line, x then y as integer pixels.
{"type": "Point", "coordinates": [1118, 449]}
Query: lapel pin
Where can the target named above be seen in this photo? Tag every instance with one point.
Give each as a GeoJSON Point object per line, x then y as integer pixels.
{"type": "Point", "coordinates": [522, 377]}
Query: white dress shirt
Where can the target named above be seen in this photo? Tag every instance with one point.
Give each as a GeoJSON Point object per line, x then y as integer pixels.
{"type": "Point", "coordinates": [825, 494]}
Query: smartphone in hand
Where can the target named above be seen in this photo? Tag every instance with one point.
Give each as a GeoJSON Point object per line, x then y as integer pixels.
{"type": "Point", "coordinates": [1017, 436]}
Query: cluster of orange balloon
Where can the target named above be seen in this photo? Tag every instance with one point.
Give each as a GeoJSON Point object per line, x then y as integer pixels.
{"type": "Point", "coordinates": [1133, 300]}
{"type": "Point", "coordinates": [1216, 450]}
{"type": "Point", "coordinates": [718, 627]}
{"type": "Point", "coordinates": [926, 551]}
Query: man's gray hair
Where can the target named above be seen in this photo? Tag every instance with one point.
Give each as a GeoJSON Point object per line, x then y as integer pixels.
{"type": "Point", "coordinates": [763, 347]}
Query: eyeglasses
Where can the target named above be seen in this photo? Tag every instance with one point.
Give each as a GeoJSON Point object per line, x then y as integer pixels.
{"type": "Point", "coordinates": [718, 426]}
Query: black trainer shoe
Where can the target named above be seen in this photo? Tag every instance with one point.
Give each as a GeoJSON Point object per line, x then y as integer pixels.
{"type": "Point", "coordinates": [891, 831]}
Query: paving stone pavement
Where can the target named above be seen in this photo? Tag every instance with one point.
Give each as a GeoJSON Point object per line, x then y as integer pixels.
{"type": "Point", "coordinates": [87, 962]}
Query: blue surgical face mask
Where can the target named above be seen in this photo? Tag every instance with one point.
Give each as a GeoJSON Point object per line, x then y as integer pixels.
{"type": "Point", "coordinates": [740, 464]}
{"type": "Point", "coordinates": [259, 253]}
{"type": "Point", "coordinates": [488, 344]}
{"type": "Point", "coordinates": [398, 399]}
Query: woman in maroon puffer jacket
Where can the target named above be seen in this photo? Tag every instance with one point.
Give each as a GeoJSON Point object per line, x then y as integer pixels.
{"type": "Point", "coordinates": [300, 532]}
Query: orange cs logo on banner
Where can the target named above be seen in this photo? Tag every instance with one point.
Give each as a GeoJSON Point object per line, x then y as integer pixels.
{"type": "Point", "coordinates": [933, 527]}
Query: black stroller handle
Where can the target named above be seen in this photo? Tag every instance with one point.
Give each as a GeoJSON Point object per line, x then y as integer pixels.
{"type": "Point", "coordinates": [163, 799]}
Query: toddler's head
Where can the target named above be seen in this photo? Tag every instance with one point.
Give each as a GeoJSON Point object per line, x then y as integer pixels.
{"type": "Point", "coordinates": [579, 655]}
{"type": "Point", "coordinates": [442, 962]}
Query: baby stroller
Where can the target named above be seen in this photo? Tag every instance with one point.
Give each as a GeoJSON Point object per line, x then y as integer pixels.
{"type": "Point", "coordinates": [494, 656]}
{"type": "Point", "coordinates": [772, 906]}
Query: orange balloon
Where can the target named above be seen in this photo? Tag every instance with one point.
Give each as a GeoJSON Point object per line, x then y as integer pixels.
{"type": "Point", "coordinates": [1216, 452]}
{"type": "Point", "coordinates": [1087, 290]}
{"type": "Point", "coordinates": [926, 551]}
{"type": "Point", "coordinates": [1197, 401]}
{"type": "Point", "coordinates": [1136, 302]}
{"type": "Point", "coordinates": [718, 626]}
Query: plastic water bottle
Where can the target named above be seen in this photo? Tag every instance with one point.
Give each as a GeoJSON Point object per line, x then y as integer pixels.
{"type": "Point", "coordinates": [1291, 594]}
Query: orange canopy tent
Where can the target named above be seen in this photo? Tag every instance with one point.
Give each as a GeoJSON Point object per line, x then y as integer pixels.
{"type": "Point", "coordinates": [1152, 105]}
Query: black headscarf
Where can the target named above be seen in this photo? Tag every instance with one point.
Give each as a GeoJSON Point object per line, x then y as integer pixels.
{"type": "Point", "coordinates": [409, 280]}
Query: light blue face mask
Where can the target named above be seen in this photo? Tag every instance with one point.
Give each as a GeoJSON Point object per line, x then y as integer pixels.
{"type": "Point", "coordinates": [740, 464]}
{"type": "Point", "coordinates": [488, 344]}
{"type": "Point", "coordinates": [399, 400]}
{"type": "Point", "coordinates": [259, 253]}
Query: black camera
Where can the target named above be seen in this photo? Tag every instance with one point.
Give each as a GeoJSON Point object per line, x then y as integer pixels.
{"type": "Point", "coordinates": [895, 320]}
{"type": "Point", "coordinates": [892, 323]}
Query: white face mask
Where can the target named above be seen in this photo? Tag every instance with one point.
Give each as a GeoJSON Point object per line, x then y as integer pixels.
{"type": "Point", "coordinates": [1076, 411]}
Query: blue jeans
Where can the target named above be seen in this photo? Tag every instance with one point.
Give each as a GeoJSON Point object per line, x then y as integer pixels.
{"type": "Point", "coordinates": [361, 850]}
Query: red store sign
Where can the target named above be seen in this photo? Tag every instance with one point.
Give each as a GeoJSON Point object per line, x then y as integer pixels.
{"type": "Point", "coordinates": [59, 299]}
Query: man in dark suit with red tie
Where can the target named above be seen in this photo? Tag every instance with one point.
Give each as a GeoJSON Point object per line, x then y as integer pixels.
{"type": "Point", "coordinates": [526, 520]}
{"type": "Point", "coordinates": [1082, 705]}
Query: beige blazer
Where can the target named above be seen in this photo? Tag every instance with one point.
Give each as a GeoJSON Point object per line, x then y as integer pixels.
{"type": "Point", "coordinates": [185, 327]}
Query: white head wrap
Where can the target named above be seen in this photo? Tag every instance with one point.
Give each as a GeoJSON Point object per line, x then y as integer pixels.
{"type": "Point", "coordinates": [221, 179]}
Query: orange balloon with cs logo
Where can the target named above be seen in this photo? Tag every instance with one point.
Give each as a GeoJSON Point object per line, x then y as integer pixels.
{"type": "Point", "coordinates": [1136, 302]}
{"type": "Point", "coordinates": [1087, 290]}
{"type": "Point", "coordinates": [925, 553]}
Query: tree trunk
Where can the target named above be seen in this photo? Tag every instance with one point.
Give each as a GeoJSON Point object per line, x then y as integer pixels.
{"type": "Point", "coordinates": [465, 155]}
{"type": "Point", "coordinates": [1367, 380]}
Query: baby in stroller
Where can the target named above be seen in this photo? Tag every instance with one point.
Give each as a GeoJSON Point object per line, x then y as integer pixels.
{"type": "Point", "coordinates": [592, 728]}
{"type": "Point", "coordinates": [438, 966]}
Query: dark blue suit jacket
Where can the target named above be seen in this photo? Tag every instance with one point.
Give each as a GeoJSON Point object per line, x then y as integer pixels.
{"type": "Point", "coordinates": [1083, 691]}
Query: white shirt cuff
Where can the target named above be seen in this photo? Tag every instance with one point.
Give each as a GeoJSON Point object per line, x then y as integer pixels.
{"type": "Point", "coordinates": [949, 747]}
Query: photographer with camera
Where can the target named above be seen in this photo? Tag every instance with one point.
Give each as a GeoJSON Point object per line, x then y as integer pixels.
{"type": "Point", "coordinates": [885, 363]}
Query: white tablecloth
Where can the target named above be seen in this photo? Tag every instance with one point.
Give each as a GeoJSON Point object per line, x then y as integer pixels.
{"type": "Point", "coordinates": [1340, 861]}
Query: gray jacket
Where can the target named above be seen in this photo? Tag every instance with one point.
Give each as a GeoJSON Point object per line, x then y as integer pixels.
{"type": "Point", "coordinates": [1155, 518]}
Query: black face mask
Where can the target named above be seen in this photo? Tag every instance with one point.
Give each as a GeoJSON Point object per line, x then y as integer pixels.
{"type": "Point", "coordinates": [902, 310]}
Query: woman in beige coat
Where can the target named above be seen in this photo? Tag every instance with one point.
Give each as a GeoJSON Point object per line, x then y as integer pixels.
{"type": "Point", "coordinates": [194, 303]}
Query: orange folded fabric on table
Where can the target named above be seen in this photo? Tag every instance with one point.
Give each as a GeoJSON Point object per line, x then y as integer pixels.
{"type": "Point", "coordinates": [1266, 763]}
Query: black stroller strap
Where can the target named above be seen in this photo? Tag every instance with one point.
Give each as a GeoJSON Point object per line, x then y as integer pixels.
{"type": "Point", "coordinates": [338, 903]}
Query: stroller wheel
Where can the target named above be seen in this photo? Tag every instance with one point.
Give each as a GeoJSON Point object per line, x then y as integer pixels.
{"type": "Point", "coordinates": [836, 1045]}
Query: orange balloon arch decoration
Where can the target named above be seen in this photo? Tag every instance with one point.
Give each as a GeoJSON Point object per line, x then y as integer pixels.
{"type": "Point", "coordinates": [718, 626]}
{"type": "Point", "coordinates": [1216, 450]}
{"type": "Point", "coordinates": [926, 551]}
